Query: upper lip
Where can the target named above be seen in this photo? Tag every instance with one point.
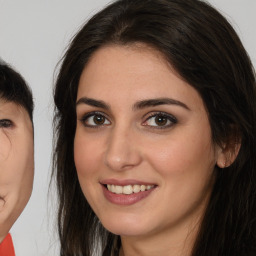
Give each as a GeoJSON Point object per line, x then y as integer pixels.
{"type": "Point", "coordinates": [125, 182]}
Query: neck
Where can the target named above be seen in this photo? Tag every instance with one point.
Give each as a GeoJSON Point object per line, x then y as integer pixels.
{"type": "Point", "coordinates": [167, 243]}
{"type": "Point", "coordinates": [2, 237]}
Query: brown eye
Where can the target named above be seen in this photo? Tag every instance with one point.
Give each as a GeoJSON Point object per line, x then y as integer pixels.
{"type": "Point", "coordinates": [99, 120]}
{"type": "Point", "coordinates": [161, 120]}
{"type": "Point", "coordinates": [95, 120]}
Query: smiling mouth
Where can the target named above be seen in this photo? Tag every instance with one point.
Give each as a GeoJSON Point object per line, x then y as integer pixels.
{"type": "Point", "coordinates": [128, 189]}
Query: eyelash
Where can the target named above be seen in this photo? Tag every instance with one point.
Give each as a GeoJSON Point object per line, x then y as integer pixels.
{"type": "Point", "coordinates": [169, 118]}
{"type": "Point", "coordinates": [5, 123]}
{"type": "Point", "coordinates": [86, 117]}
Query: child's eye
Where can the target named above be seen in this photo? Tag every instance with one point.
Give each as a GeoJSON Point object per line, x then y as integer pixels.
{"type": "Point", "coordinates": [95, 120]}
{"type": "Point", "coordinates": [160, 120]}
{"type": "Point", "coordinates": [5, 123]}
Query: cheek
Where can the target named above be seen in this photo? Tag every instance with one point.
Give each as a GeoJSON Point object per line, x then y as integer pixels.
{"type": "Point", "coordinates": [7, 163]}
{"type": "Point", "coordinates": [88, 159]}
{"type": "Point", "coordinates": [28, 164]}
{"type": "Point", "coordinates": [185, 166]}
{"type": "Point", "coordinates": [16, 176]}
{"type": "Point", "coordinates": [21, 167]}
{"type": "Point", "coordinates": [5, 146]}
{"type": "Point", "coordinates": [87, 155]}
{"type": "Point", "coordinates": [182, 153]}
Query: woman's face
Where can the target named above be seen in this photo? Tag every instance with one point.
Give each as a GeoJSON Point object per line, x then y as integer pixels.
{"type": "Point", "coordinates": [16, 163]}
{"type": "Point", "coordinates": [142, 148]}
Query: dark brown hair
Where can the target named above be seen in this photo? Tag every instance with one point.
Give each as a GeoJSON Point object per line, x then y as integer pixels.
{"type": "Point", "coordinates": [204, 49]}
{"type": "Point", "coordinates": [13, 88]}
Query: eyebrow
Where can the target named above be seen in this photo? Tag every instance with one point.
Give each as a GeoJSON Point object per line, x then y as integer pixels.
{"type": "Point", "coordinates": [138, 105]}
{"type": "Point", "coordinates": [93, 103]}
{"type": "Point", "coordinates": [157, 102]}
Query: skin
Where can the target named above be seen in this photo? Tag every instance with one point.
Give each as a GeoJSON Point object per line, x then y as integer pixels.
{"type": "Point", "coordinates": [177, 157]}
{"type": "Point", "coordinates": [16, 163]}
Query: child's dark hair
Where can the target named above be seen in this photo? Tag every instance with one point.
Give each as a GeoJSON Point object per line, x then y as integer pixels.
{"type": "Point", "coordinates": [13, 88]}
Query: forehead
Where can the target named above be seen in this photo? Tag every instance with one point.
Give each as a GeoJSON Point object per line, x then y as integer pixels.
{"type": "Point", "coordinates": [134, 59]}
{"type": "Point", "coordinates": [12, 110]}
{"type": "Point", "coordinates": [122, 74]}
{"type": "Point", "coordinates": [125, 67]}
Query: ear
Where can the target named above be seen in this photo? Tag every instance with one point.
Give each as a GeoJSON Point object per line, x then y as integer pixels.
{"type": "Point", "coordinates": [226, 154]}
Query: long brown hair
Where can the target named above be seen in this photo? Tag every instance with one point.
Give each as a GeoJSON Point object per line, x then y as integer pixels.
{"type": "Point", "coordinates": [206, 52]}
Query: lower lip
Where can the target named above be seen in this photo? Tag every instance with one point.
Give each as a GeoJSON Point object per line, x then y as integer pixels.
{"type": "Point", "coordinates": [122, 199]}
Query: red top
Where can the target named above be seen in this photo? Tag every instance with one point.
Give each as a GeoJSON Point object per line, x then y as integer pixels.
{"type": "Point", "coordinates": [6, 247]}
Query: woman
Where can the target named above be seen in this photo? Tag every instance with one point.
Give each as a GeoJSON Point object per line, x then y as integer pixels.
{"type": "Point", "coordinates": [155, 134]}
{"type": "Point", "coordinates": [16, 151]}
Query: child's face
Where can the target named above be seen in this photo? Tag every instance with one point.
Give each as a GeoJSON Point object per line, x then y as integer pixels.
{"type": "Point", "coordinates": [16, 163]}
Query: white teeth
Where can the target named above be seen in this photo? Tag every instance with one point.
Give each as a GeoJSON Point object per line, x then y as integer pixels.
{"type": "Point", "coordinates": [128, 189]}
{"type": "Point", "coordinates": [118, 189]}
{"type": "Point", "coordinates": [136, 188]}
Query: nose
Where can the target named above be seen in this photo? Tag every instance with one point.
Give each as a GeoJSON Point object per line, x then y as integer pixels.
{"type": "Point", "coordinates": [122, 151]}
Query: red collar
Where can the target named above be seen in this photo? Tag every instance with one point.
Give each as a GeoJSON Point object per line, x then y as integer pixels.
{"type": "Point", "coordinates": [6, 247]}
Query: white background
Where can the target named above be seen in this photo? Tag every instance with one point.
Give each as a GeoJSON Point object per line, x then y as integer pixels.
{"type": "Point", "coordinates": [33, 36]}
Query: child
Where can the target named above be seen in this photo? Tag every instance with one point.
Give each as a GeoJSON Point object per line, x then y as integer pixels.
{"type": "Point", "coordinates": [16, 151]}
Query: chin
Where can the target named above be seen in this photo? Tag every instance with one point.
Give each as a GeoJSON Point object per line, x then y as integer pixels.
{"type": "Point", "coordinates": [126, 226]}
{"type": "Point", "coordinates": [124, 231]}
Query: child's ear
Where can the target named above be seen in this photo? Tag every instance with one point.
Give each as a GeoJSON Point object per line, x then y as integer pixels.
{"type": "Point", "coordinates": [227, 153]}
